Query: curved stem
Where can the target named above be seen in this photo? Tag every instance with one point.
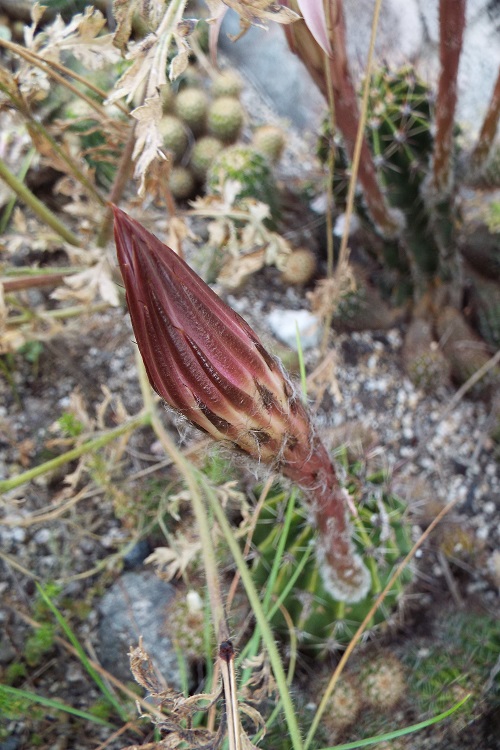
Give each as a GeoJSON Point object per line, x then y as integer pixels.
{"type": "Point", "coordinates": [87, 447]}
{"type": "Point", "coordinates": [44, 214]}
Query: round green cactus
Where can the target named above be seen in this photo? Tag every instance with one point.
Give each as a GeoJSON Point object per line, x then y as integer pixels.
{"type": "Point", "coordinates": [458, 660]}
{"type": "Point", "coordinates": [249, 170]}
{"type": "Point", "coordinates": [399, 134]}
{"type": "Point", "coordinates": [203, 155]}
{"type": "Point", "coordinates": [181, 183]}
{"type": "Point", "coordinates": [269, 140]}
{"type": "Point", "coordinates": [225, 119]}
{"type": "Point", "coordinates": [191, 105]}
{"type": "Point", "coordinates": [175, 138]}
{"type": "Point", "coordinates": [227, 83]}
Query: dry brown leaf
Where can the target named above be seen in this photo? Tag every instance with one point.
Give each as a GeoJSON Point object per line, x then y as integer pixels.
{"type": "Point", "coordinates": [173, 563]}
{"type": "Point", "coordinates": [81, 36]}
{"type": "Point", "coordinates": [123, 12]}
{"type": "Point", "coordinates": [236, 271]}
{"type": "Point", "coordinates": [86, 286]}
{"type": "Point", "coordinates": [253, 13]}
{"type": "Point", "coordinates": [148, 144]}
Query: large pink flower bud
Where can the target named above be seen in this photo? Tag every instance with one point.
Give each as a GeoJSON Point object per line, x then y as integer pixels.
{"type": "Point", "coordinates": [206, 362]}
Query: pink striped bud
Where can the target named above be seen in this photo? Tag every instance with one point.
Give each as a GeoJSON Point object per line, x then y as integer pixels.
{"type": "Point", "coordinates": [206, 362]}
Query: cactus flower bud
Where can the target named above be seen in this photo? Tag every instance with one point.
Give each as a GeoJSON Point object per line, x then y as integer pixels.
{"type": "Point", "coordinates": [206, 362]}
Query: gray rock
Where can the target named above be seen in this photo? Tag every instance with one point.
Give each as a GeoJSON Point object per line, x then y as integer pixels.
{"type": "Point", "coordinates": [135, 606]}
{"type": "Point", "coordinates": [276, 73]}
{"type": "Point", "coordinates": [407, 32]}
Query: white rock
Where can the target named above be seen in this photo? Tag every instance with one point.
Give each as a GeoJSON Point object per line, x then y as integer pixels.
{"type": "Point", "coordinates": [284, 325]}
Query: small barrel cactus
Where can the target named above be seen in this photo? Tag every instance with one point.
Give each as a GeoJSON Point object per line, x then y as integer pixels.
{"type": "Point", "coordinates": [227, 83]}
{"type": "Point", "coordinates": [299, 267]}
{"type": "Point", "coordinates": [269, 140]}
{"type": "Point", "coordinates": [187, 624]}
{"type": "Point", "coordinates": [203, 155]}
{"type": "Point", "coordinates": [343, 706]}
{"type": "Point", "coordinates": [250, 170]}
{"type": "Point", "coordinates": [465, 351]}
{"type": "Point", "coordinates": [399, 133]}
{"type": "Point", "coordinates": [181, 183]}
{"type": "Point", "coordinates": [175, 138]}
{"type": "Point", "coordinates": [191, 106]}
{"type": "Point", "coordinates": [424, 362]}
{"type": "Point", "coordinates": [225, 118]}
{"type": "Point", "coordinates": [383, 682]}
{"type": "Point", "coordinates": [167, 98]}
{"type": "Point", "coordinates": [458, 660]}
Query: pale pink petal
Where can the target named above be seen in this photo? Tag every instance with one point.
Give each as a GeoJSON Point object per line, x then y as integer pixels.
{"type": "Point", "coordinates": [313, 13]}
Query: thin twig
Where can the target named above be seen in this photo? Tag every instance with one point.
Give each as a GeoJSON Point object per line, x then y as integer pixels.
{"type": "Point", "coordinates": [46, 64]}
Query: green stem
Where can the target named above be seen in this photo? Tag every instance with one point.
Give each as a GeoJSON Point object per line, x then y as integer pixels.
{"type": "Point", "coordinates": [61, 314]}
{"type": "Point", "coordinates": [34, 125]}
{"type": "Point", "coordinates": [91, 445]}
{"type": "Point", "coordinates": [202, 521]}
{"type": "Point", "coordinates": [43, 213]}
{"type": "Point", "coordinates": [261, 619]}
{"type": "Point", "coordinates": [10, 205]}
{"type": "Point", "coordinates": [120, 181]}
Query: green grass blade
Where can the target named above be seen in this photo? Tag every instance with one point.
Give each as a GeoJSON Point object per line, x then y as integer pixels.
{"type": "Point", "coordinates": [261, 619]}
{"type": "Point", "coordinates": [50, 703]}
{"type": "Point", "coordinates": [302, 364]}
{"type": "Point", "coordinates": [109, 695]}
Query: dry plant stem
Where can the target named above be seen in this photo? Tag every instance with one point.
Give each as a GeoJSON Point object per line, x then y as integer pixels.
{"type": "Point", "coordinates": [251, 530]}
{"type": "Point", "coordinates": [64, 313]}
{"type": "Point", "coordinates": [31, 282]}
{"type": "Point", "coordinates": [488, 131]}
{"type": "Point", "coordinates": [215, 595]}
{"type": "Point", "coordinates": [304, 45]}
{"type": "Point", "coordinates": [44, 214]}
{"type": "Point", "coordinates": [356, 637]}
{"type": "Point", "coordinates": [451, 31]}
{"type": "Point", "coordinates": [119, 185]}
{"type": "Point", "coordinates": [262, 622]}
{"type": "Point", "coordinates": [23, 171]}
{"type": "Point", "coordinates": [33, 125]}
{"type": "Point", "coordinates": [356, 160]}
{"type": "Point", "coordinates": [90, 445]}
{"type": "Point", "coordinates": [45, 65]}
{"type": "Point", "coordinates": [331, 173]}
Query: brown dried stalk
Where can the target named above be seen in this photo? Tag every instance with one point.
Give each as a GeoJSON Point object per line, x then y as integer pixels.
{"type": "Point", "coordinates": [347, 117]}
{"type": "Point", "coordinates": [451, 31]}
{"type": "Point", "coordinates": [488, 131]}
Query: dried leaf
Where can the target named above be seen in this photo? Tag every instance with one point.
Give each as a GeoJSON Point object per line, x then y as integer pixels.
{"type": "Point", "coordinates": [148, 142]}
{"type": "Point", "coordinates": [81, 36]}
{"type": "Point", "coordinates": [258, 12]}
{"type": "Point", "coordinates": [174, 562]}
{"type": "Point", "coordinates": [181, 60]}
{"type": "Point", "coordinates": [123, 11]}
{"type": "Point", "coordinates": [87, 285]}
{"type": "Point", "coordinates": [237, 270]}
